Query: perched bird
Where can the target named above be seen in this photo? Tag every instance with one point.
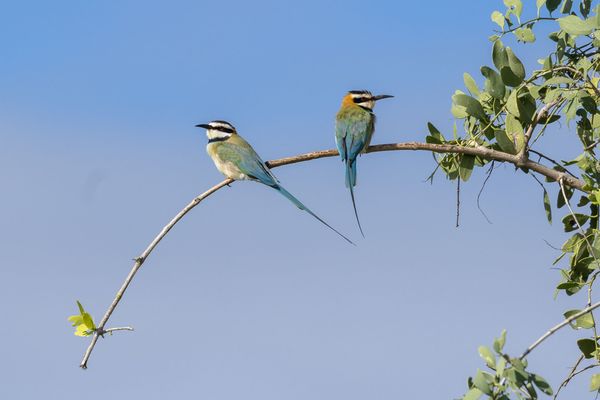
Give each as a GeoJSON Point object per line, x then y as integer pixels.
{"type": "Point", "coordinates": [236, 159]}
{"type": "Point", "coordinates": [354, 127]}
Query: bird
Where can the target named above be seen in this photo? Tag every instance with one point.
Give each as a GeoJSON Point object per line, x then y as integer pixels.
{"type": "Point", "coordinates": [236, 159]}
{"type": "Point", "coordinates": [354, 127]}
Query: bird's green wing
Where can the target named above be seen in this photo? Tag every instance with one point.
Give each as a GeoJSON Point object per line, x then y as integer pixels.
{"type": "Point", "coordinates": [237, 151]}
{"type": "Point", "coordinates": [353, 132]}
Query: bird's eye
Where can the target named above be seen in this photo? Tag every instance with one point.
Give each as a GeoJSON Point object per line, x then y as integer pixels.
{"type": "Point", "coordinates": [223, 129]}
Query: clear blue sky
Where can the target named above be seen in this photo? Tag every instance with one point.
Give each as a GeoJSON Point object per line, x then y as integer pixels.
{"type": "Point", "coordinates": [248, 297]}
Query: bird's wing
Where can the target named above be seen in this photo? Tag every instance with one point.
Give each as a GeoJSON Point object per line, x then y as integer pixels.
{"type": "Point", "coordinates": [353, 133]}
{"type": "Point", "coordinates": [239, 152]}
{"type": "Point", "coordinates": [341, 129]}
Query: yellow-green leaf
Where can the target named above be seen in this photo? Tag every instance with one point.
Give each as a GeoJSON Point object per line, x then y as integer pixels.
{"type": "Point", "coordinates": [514, 7]}
{"type": "Point", "coordinates": [82, 330]}
{"type": "Point", "coordinates": [595, 383]}
{"type": "Point", "coordinates": [498, 18]}
{"type": "Point", "coordinates": [539, 4]}
{"type": "Point", "coordinates": [525, 35]}
{"type": "Point", "coordinates": [487, 355]}
{"type": "Point", "coordinates": [471, 85]}
{"type": "Point", "coordinates": [586, 321]}
{"type": "Point", "coordinates": [575, 26]}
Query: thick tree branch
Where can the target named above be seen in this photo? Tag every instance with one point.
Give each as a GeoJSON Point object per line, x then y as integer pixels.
{"type": "Point", "coordinates": [483, 152]}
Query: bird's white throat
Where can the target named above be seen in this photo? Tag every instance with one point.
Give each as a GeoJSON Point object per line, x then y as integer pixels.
{"type": "Point", "coordinates": [214, 134]}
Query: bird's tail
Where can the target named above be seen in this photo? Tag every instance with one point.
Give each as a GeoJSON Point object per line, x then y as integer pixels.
{"type": "Point", "coordinates": [350, 183]}
{"type": "Point", "coordinates": [301, 206]}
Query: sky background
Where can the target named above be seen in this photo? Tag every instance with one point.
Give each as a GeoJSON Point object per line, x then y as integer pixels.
{"type": "Point", "coordinates": [249, 297]}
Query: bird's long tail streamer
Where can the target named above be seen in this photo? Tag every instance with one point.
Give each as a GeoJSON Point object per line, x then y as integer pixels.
{"type": "Point", "coordinates": [301, 206]}
{"type": "Point", "coordinates": [350, 182]}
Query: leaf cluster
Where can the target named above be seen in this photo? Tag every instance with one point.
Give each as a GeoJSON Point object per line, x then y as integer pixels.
{"type": "Point", "coordinates": [509, 111]}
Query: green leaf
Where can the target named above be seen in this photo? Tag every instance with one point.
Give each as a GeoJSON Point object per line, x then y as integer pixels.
{"type": "Point", "coordinates": [558, 80]}
{"type": "Point", "coordinates": [517, 376]}
{"type": "Point", "coordinates": [595, 383]}
{"type": "Point", "coordinates": [542, 384]}
{"type": "Point", "coordinates": [498, 18]}
{"type": "Point", "coordinates": [522, 105]}
{"type": "Point", "coordinates": [471, 106]}
{"type": "Point", "coordinates": [587, 347]}
{"type": "Point", "coordinates": [560, 200]}
{"type": "Point", "coordinates": [499, 56]}
{"type": "Point", "coordinates": [514, 72]}
{"type": "Point", "coordinates": [83, 323]}
{"type": "Point", "coordinates": [575, 26]}
{"type": "Point", "coordinates": [82, 331]}
{"type": "Point", "coordinates": [488, 356]}
{"type": "Point", "coordinates": [500, 365]}
{"type": "Point", "coordinates": [525, 35]}
{"type": "Point", "coordinates": [567, 285]}
{"type": "Point", "coordinates": [566, 8]}
{"type": "Point", "coordinates": [586, 321]}
{"type": "Point", "coordinates": [584, 7]}
{"type": "Point", "coordinates": [552, 5]}
{"type": "Point", "coordinates": [515, 7]}
{"type": "Point", "coordinates": [88, 321]}
{"type": "Point", "coordinates": [514, 130]}
{"type": "Point", "coordinates": [547, 206]}
{"type": "Point", "coordinates": [76, 320]}
{"type": "Point", "coordinates": [471, 85]}
{"type": "Point", "coordinates": [81, 310]}
{"type": "Point", "coordinates": [467, 162]}
{"type": "Point", "coordinates": [473, 394]}
{"type": "Point", "coordinates": [435, 135]}
{"type": "Point", "coordinates": [493, 83]}
{"type": "Point", "coordinates": [480, 382]}
{"type": "Point", "coordinates": [570, 222]}
{"type": "Point", "coordinates": [539, 4]}
{"type": "Point", "coordinates": [505, 142]}
{"type": "Point", "coordinates": [511, 103]}
{"type": "Point", "coordinates": [499, 342]}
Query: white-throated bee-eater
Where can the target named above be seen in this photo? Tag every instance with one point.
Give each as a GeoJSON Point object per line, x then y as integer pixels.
{"type": "Point", "coordinates": [237, 160]}
{"type": "Point", "coordinates": [354, 127]}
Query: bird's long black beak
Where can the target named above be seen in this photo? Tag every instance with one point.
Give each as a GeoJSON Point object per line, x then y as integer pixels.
{"type": "Point", "coordinates": [382, 96]}
{"type": "Point", "coordinates": [205, 126]}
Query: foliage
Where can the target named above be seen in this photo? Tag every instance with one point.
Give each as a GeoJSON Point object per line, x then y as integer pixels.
{"type": "Point", "coordinates": [508, 375]}
{"type": "Point", "coordinates": [510, 113]}
{"type": "Point", "coordinates": [83, 322]}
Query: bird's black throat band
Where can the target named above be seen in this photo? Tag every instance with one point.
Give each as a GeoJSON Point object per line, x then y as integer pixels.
{"type": "Point", "coordinates": [218, 139]}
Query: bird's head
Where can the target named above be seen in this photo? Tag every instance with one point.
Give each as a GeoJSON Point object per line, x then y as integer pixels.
{"type": "Point", "coordinates": [363, 99]}
{"type": "Point", "coordinates": [218, 131]}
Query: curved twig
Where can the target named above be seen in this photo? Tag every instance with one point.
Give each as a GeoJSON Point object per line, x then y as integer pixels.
{"type": "Point", "coordinates": [555, 328]}
{"type": "Point", "coordinates": [480, 151]}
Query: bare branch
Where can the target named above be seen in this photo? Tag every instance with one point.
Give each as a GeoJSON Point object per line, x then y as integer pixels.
{"type": "Point", "coordinates": [569, 377]}
{"type": "Point", "coordinates": [487, 178]}
{"type": "Point", "coordinates": [457, 201]}
{"type": "Point", "coordinates": [140, 260]}
{"type": "Point", "coordinates": [119, 328]}
{"type": "Point", "coordinates": [555, 328]}
{"type": "Point", "coordinates": [483, 152]}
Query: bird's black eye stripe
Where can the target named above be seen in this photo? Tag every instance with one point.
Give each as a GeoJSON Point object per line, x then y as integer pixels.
{"type": "Point", "coordinates": [362, 99]}
{"type": "Point", "coordinates": [222, 129]}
